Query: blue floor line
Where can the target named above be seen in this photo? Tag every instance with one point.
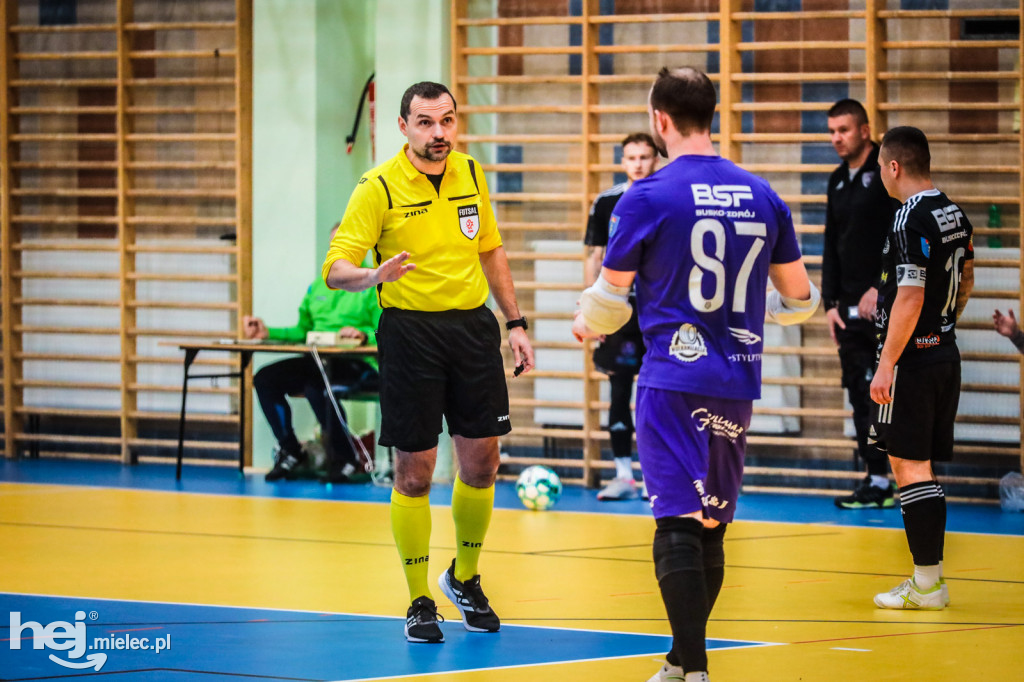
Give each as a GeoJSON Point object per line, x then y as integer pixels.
{"type": "Point", "coordinates": [215, 641]}
{"type": "Point", "coordinates": [966, 518]}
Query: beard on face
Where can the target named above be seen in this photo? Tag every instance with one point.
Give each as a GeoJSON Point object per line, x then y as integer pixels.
{"type": "Point", "coordinates": [659, 143]}
{"type": "Point", "coordinates": [853, 150]}
{"type": "Point", "coordinates": [429, 153]}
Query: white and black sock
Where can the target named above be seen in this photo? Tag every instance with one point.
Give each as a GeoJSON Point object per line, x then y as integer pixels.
{"type": "Point", "coordinates": [924, 518]}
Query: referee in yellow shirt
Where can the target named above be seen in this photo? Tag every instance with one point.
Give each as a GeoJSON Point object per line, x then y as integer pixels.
{"type": "Point", "coordinates": [427, 216]}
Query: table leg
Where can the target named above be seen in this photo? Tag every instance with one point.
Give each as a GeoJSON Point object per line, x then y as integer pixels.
{"type": "Point", "coordinates": [243, 364]}
{"type": "Point", "coordinates": [190, 356]}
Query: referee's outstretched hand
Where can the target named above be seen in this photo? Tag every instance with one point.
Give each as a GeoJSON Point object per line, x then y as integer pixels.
{"type": "Point", "coordinates": [394, 268]}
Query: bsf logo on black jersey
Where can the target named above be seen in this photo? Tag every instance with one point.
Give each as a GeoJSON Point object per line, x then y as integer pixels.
{"type": "Point", "coordinates": [948, 218]}
{"type": "Point", "coordinates": [469, 220]}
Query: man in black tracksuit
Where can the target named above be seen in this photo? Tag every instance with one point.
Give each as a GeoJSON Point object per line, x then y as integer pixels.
{"type": "Point", "coordinates": [858, 215]}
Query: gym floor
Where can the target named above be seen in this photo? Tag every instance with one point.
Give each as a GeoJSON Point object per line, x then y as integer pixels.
{"type": "Point", "coordinates": [236, 578]}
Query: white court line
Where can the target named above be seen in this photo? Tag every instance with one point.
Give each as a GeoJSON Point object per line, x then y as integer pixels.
{"type": "Point", "coordinates": [747, 644]}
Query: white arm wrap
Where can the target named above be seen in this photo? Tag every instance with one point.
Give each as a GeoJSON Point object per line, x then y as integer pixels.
{"type": "Point", "coordinates": [787, 311]}
{"type": "Point", "coordinates": [605, 307]}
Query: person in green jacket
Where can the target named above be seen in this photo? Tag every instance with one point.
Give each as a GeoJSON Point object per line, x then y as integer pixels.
{"type": "Point", "coordinates": [355, 316]}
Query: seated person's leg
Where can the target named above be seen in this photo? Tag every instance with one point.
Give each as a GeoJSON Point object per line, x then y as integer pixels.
{"type": "Point", "coordinates": [342, 458]}
{"type": "Point", "coordinates": [273, 384]}
{"type": "Point", "coordinates": [336, 441]}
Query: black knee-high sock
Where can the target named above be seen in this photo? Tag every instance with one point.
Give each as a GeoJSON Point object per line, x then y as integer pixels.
{"type": "Point", "coordinates": [679, 567]}
{"type": "Point", "coordinates": [714, 562]}
{"type": "Point", "coordinates": [924, 518]}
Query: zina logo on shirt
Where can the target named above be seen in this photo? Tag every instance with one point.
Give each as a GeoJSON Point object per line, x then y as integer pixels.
{"type": "Point", "coordinates": [687, 344]}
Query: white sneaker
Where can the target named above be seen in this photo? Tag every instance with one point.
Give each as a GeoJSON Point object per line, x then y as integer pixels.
{"type": "Point", "coordinates": [619, 489]}
{"type": "Point", "coordinates": [674, 673]}
{"type": "Point", "coordinates": [906, 595]}
{"type": "Point", "coordinates": [668, 673]}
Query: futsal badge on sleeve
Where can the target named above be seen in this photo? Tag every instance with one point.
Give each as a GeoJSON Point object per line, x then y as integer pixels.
{"type": "Point", "coordinates": [469, 220]}
{"type": "Point", "coordinates": [688, 344]}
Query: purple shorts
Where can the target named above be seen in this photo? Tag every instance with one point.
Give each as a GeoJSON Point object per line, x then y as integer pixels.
{"type": "Point", "coordinates": [691, 451]}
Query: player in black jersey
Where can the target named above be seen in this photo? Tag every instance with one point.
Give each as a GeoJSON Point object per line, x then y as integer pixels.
{"type": "Point", "coordinates": [857, 217]}
{"type": "Point", "coordinates": [927, 276]}
{"type": "Point", "coordinates": [619, 354]}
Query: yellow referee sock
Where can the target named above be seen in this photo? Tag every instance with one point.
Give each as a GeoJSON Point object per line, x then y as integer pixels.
{"type": "Point", "coordinates": [471, 510]}
{"type": "Point", "coordinates": [410, 524]}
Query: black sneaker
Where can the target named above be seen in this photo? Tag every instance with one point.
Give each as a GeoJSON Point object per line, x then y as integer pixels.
{"type": "Point", "coordinates": [421, 622]}
{"type": "Point", "coordinates": [867, 496]}
{"type": "Point", "coordinates": [285, 465]}
{"type": "Point", "coordinates": [468, 597]}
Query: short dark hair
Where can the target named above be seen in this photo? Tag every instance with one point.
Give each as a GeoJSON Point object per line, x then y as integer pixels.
{"type": "Point", "coordinates": [687, 96]}
{"type": "Point", "coordinates": [849, 107]}
{"type": "Point", "coordinates": [424, 90]}
{"type": "Point", "coordinates": [909, 147]}
{"type": "Point", "coordinates": [640, 138]}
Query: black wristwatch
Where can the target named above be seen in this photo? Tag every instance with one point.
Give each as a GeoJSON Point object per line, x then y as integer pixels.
{"type": "Point", "coordinates": [521, 322]}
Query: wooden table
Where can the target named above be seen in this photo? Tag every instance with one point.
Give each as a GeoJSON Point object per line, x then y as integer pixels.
{"type": "Point", "coordinates": [245, 349]}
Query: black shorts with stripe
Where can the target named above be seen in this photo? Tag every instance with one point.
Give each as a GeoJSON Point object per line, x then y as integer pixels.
{"type": "Point", "coordinates": [440, 363]}
{"type": "Point", "coordinates": [918, 423]}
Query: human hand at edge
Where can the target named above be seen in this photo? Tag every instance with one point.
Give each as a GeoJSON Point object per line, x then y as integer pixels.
{"type": "Point", "coordinates": [867, 303]}
{"type": "Point", "coordinates": [1005, 324]}
{"type": "Point", "coordinates": [581, 331]}
{"type": "Point", "coordinates": [352, 333]}
{"type": "Point", "coordinates": [253, 328]}
{"type": "Point", "coordinates": [522, 350]}
{"type": "Point", "coordinates": [881, 385]}
{"type": "Point", "coordinates": [834, 320]}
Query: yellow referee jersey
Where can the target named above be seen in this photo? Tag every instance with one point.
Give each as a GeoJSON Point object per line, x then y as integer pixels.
{"type": "Point", "coordinates": [395, 208]}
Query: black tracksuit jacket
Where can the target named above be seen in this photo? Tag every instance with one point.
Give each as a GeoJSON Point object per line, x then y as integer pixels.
{"type": "Point", "coordinates": [857, 219]}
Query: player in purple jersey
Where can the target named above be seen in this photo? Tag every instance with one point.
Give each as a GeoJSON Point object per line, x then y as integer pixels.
{"type": "Point", "coordinates": [927, 277]}
{"type": "Point", "coordinates": [700, 237]}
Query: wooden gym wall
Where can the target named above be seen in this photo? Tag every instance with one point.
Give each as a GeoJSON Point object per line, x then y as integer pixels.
{"type": "Point", "coordinates": [548, 88]}
{"type": "Point", "coordinates": [125, 129]}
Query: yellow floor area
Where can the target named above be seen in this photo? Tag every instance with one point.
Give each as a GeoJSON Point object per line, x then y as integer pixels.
{"type": "Point", "coordinates": [806, 587]}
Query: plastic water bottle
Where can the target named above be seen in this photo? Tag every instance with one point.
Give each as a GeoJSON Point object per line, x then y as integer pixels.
{"type": "Point", "coordinates": [995, 219]}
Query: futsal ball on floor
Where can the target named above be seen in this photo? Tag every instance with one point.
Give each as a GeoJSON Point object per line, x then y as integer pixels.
{"type": "Point", "coordinates": [539, 488]}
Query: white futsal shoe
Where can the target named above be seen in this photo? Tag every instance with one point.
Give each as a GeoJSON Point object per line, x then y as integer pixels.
{"type": "Point", "coordinates": [674, 673]}
{"type": "Point", "coordinates": [620, 489]}
{"type": "Point", "coordinates": [907, 595]}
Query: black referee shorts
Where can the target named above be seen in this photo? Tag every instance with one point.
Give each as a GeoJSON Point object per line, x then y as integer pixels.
{"type": "Point", "coordinates": [918, 423]}
{"type": "Point", "coordinates": [440, 363]}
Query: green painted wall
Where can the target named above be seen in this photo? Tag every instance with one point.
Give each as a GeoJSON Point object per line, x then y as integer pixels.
{"type": "Point", "coordinates": [413, 41]}
{"type": "Point", "coordinates": [344, 60]}
{"type": "Point", "coordinates": [310, 60]}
